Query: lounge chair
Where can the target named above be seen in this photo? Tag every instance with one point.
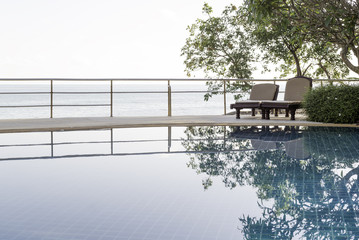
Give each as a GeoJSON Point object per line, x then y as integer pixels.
{"type": "Point", "coordinates": [293, 97]}
{"type": "Point", "coordinates": [259, 93]}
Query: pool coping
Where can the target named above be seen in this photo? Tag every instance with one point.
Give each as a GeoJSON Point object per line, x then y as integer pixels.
{"type": "Point", "coordinates": [87, 123]}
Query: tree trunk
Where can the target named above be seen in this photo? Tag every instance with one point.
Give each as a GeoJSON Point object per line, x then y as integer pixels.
{"type": "Point", "coordinates": [297, 63]}
{"type": "Point", "coordinates": [324, 69]}
{"type": "Point", "coordinates": [344, 56]}
{"type": "Point", "coordinates": [296, 59]}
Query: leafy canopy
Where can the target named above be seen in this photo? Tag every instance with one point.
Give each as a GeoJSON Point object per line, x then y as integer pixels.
{"type": "Point", "coordinates": [221, 48]}
{"type": "Point", "coordinates": [269, 32]}
{"type": "Point", "coordinates": [333, 23]}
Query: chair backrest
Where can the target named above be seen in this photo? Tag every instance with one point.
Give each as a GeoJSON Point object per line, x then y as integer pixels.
{"type": "Point", "coordinates": [296, 88]}
{"type": "Point", "coordinates": [264, 91]}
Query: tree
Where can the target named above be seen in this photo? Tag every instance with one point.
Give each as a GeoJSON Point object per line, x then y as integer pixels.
{"type": "Point", "coordinates": [333, 22]}
{"type": "Point", "coordinates": [329, 62]}
{"type": "Point", "coordinates": [220, 48]}
{"type": "Point", "coordinates": [284, 43]}
{"type": "Point", "coordinates": [227, 46]}
{"type": "Point", "coordinates": [279, 42]}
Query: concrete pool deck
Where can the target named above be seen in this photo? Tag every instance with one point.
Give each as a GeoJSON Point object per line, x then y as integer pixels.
{"type": "Point", "coordinates": [82, 123]}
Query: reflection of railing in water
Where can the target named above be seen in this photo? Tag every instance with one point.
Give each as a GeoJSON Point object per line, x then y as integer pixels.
{"type": "Point", "coordinates": [111, 149]}
{"type": "Point", "coordinates": [295, 142]}
{"type": "Point", "coordinates": [111, 92]}
{"type": "Point", "coordinates": [111, 142]}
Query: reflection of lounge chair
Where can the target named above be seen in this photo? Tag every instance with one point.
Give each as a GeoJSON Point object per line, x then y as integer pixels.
{"type": "Point", "coordinates": [295, 149]}
{"type": "Point", "coordinates": [294, 93]}
{"type": "Point", "coordinates": [259, 92]}
{"type": "Point", "coordinates": [263, 145]}
{"type": "Point", "coordinates": [267, 133]}
{"type": "Point", "coordinates": [266, 138]}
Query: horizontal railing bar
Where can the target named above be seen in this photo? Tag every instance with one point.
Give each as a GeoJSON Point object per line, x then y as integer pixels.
{"type": "Point", "coordinates": [81, 105]}
{"type": "Point", "coordinates": [162, 79]}
{"type": "Point", "coordinates": [120, 154]}
{"type": "Point", "coordinates": [134, 79]}
{"type": "Point", "coordinates": [94, 142]}
{"type": "Point", "coordinates": [81, 92]}
{"type": "Point", "coordinates": [9, 93]}
{"type": "Point", "coordinates": [24, 93]}
{"type": "Point", "coordinates": [60, 105]}
{"type": "Point", "coordinates": [24, 106]}
{"type": "Point", "coordinates": [171, 92]}
{"type": "Point", "coordinates": [84, 93]}
{"type": "Point", "coordinates": [104, 142]}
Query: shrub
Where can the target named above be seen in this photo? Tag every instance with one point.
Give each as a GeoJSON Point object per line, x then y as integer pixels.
{"type": "Point", "coordinates": [333, 104]}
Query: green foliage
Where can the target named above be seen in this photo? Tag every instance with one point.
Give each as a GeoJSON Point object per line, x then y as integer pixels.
{"type": "Point", "coordinates": [333, 104]}
{"type": "Point", "coordinates": [280, 42]}
{"type": "Point", "coordinates": [291, 46]}
{"type": "Point", "coordinates": [321, 22]}
{"type": "Point", "coordinates": [220, 48]}
{"type": "Point", "coordinates": [327, 58]}
{"type": "Point", "coordinates": [272, 32]}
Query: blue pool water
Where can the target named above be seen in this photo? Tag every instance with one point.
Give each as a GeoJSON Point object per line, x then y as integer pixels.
{"type": "Point", "coordinates": [181, 183]}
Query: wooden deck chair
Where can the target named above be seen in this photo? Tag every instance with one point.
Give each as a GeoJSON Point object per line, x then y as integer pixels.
{"type": "Point", "coordinates": [293, 97]}
{"type": "Point", "coordinates": [259, 92]}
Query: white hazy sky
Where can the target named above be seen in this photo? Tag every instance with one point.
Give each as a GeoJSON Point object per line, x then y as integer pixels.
{"type": "Point", "coordinates": [96, 38]}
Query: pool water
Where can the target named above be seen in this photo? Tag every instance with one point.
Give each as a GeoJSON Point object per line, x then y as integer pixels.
{"type": "Point", "coordinates": [181, 183]}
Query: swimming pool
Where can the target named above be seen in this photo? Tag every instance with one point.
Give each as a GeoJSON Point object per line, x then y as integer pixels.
{"type": "Point", "coordinates": [180, 183]}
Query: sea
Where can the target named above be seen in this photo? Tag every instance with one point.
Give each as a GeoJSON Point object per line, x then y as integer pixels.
{"type": "Point", "coordinates": [125, 102]}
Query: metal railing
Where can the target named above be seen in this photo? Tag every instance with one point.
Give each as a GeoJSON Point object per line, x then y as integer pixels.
{"type": "Point", "coordinates": [49, 145]}
{"type": "Point", "coordinates": [108, 149]}
{"type": "Point", "coordinates": [111, 92]}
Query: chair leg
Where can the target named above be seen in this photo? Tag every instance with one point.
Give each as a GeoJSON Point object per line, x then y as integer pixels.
{"type": "Point", "coordinates": [267, 113]}
{"type": "Point", "coordinates": [238, 113]}
{"type": "Point", "coordinates": [253, 112]}
{"type": "Point", "coordinates": [287, 113]}
{"type": "Point", "coordinates": [263, 113]}
{"type": "Point", "coordinates": [292, 114]}
{"type": "Point", "coordinates": [276, 112]}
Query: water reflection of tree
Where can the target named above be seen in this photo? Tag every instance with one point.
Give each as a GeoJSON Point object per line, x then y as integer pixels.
{"type": "Point", "coordinates": [316, 197]}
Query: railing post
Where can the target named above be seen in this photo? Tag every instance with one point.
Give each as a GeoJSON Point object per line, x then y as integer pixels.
{"type": "Point", "coordinates": [52, 144]}
{"type": "Point", "coordinates": [51, 98]}
{"type": "Point", "coordinates": [169, 91]}
{"type": "Point", "coordinates": [111, 141]}
{"type": "Point", "coordinates": [224, 97]}
{"type": "Point", "coordinates": [169, 139]}
{"type": "Point", "coordinates": [111, 99]}
{"type": "Point", "coordinates": [224, 137]}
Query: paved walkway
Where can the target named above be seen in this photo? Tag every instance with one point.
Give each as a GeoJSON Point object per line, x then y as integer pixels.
{"type": "Point", "coordinates": [81, 123]}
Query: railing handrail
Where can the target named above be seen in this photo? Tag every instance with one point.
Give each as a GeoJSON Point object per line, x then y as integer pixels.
{"type": "Point", "coordinates": [169, 79]}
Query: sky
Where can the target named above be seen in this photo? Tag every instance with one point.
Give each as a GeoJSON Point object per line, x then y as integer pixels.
{"type": "Point", "coordinates": [96, 38]}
